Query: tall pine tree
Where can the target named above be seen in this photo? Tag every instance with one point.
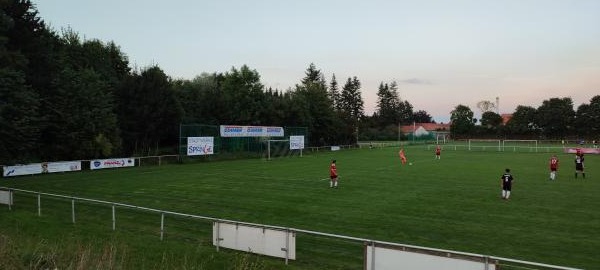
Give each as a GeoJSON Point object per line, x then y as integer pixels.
{"type": "Point", "coordinates": [352, 108]}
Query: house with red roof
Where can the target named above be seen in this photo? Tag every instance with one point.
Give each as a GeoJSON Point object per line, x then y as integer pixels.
{"type": "Point", "coordinates": [505, 118]}
{"type": "Point", "coordinates": [425, 129]}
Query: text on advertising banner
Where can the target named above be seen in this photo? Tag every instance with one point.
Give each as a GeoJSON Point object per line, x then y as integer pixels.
{"type": "Point", "coordinates": [296, 142]}
{"type": "Point", "coordinates": [111, 163]}
{"type": "Point", "coordinates": [198, 146]}
{"type": "Point", "coordinates": [251, 131]}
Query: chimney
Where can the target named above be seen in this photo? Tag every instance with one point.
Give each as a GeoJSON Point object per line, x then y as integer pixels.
{"type": "Point", "coordinates": [498, 105]}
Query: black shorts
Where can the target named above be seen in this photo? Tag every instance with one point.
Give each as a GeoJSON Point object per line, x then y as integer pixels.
{"type": "Point", "coordinates": [506, 186]}
{"type": "Point", "coordinates": [579, 167]}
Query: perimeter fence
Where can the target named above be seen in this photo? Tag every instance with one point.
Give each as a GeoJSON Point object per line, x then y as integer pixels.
{"type": "Point", "coordinates": [300, 245]}
{"type": "Point", "coordinates": [493, 145]}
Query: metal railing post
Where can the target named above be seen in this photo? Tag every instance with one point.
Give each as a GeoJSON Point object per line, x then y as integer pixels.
{"type": "Point", "coordinates": [162, 225]}
{"type": "Point", "coordinates": [114, 220]}
{"type": "Point", "coordinates": [39, 205]}
{"type": "Point", "coordinates": [73, 210]}
{"type": "Point", "coordinates": [10, 199]}
{"type": "Point", "coordinates": [373, 255]}
{"type": "Point", "coordinates": [287, 245]}
{"type": "Point", "coordinates": [218, 234]}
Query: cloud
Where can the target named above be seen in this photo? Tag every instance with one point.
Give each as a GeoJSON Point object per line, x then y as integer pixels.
{"type": "Point", "coordinates": [415, 81]}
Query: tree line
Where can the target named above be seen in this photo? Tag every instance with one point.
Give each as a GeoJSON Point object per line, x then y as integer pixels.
{"type": "Point", "coordinates": [64, 98]}
{"type": "Point", "coordinates": [67, 98]}
{"type": "Point", "coordinates": [556, 118]}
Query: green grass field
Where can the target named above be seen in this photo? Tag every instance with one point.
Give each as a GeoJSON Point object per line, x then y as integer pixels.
{"type": "Point", "coordinates": [453, 203]}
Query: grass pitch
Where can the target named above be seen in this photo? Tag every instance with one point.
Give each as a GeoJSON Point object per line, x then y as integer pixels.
{"type": "Point", "coordinates": [453, 203]}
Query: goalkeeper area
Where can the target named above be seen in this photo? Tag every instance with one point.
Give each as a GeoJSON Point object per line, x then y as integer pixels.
{"type": "Point", "coordinates": [452, 204]}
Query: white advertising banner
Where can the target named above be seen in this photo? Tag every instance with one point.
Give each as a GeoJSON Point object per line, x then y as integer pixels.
{"type": "Point", "coordinates": [28, 169]}
{"type": "Point", "coordinates": [38, 168]}
{"type": "Point", "coordinates": [257, 240]}
{"type": "Point", "coordinates": [6, 197]}
{"type": "Point", "coordinates": [394, 259]}
{"type": "Point", "coordinates": [112, 163]}
{"type": "Point", "coordinates": [582, 150]}
{"type": "Point", "coordinates": [199, 146]}
{"type": "Point", "coordinates": [296, 142]}
{"type": "Point", "coordinates": [251, 131]}
{"type": "Point", "coordinates": [64, 166]}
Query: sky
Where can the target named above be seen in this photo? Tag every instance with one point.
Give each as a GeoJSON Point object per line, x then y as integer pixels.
{"type": "Point", "coordinates": [441, 53]}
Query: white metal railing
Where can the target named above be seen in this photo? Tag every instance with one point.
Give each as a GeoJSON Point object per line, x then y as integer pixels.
{"type": "Point", "coordinates": [511, 148]}
{"type": "Point", "coordinates": [448, 253]}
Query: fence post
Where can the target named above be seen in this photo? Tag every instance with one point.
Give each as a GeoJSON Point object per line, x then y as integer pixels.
{"type": "Point", "coordinates": [373, 255]}
{"type": "Point", "coordinates": [287, 245]}
{"type": "Point", "coordinates": [114, 220]}
{"type": "Point", "coordinates": [162, 225]}
{"type": "Point", "coordinates": [73, 209]}
{"type": "Point", "coordinates": [218, 234]}
{"type": "Point", "coordinates": [39, 205]}
{"type": "Point", "coordinates": [10, 199]}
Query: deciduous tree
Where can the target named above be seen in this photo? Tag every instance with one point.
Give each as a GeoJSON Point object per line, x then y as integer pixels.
{"type": "Point", "coordinates": [555, 117]}
{"type": "Point", "coordinates": [462, 121]}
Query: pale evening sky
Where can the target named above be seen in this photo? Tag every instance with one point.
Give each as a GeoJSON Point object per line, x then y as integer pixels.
{"type": "Point", "coordinates": [442, 53]}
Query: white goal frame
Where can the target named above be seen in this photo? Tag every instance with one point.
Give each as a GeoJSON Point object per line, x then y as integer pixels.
{"type": "Point", "coordinates": [269, 147]}
{"type": "Point", "coordinates": [437, 138]}
{"type": "Point", "coordinates": [486, 140]}
{"type": "Point", "coordinates": [515, 147]}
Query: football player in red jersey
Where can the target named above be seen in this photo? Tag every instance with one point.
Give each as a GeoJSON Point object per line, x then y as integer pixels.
{"type": "Point", "coordinates": [333, 175]}
{"type": "Point", "coordinates": [402, 156]}
{"type": "Point", "coordinates": [438, 152]}
{"type": "Point", "coordinates": [553, 167]}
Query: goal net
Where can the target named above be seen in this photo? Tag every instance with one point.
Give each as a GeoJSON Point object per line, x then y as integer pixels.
{"type": "Point", "coordinates": [485, 145]}
{"type": "Point", "coordinates": [441, 138]}
{"type": "Point", "coordinates": [520, 145]}
{"type": "Point", "coordinates": [281, 148]}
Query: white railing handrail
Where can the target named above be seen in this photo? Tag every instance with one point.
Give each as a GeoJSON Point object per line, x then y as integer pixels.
{"type": "Point", "coordinates": [358, 239]}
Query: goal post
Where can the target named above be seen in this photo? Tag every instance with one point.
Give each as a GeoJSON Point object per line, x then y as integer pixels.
{"type": "Point", "coordinates": [269, 142]}
{"type": "Point", "coordinates": [440, 138]}
{"type": "Point", "coordinates": [529, 144]}
{"type": "Point", "coordinates": [484, 143]}
{"type": "Point", "coordinates": [285, 147]}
